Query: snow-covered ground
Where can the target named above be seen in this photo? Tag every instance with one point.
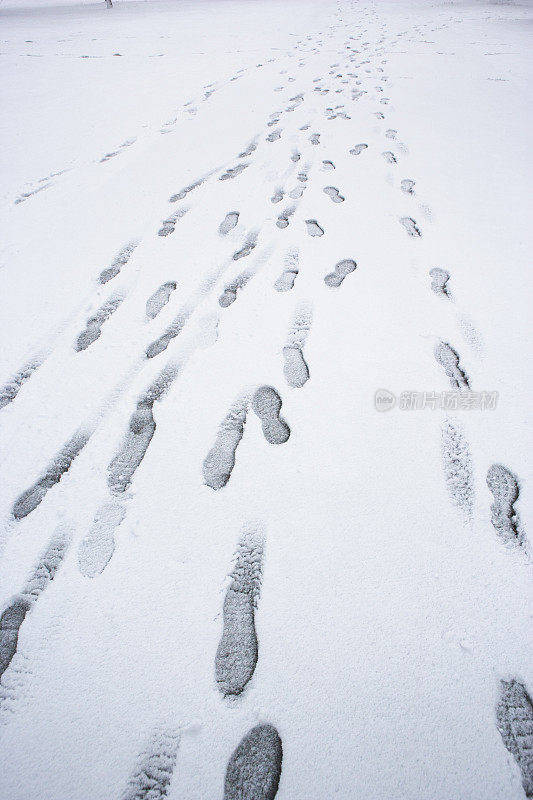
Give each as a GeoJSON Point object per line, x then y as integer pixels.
{"type": "Point", "coordinates": [209, 208]}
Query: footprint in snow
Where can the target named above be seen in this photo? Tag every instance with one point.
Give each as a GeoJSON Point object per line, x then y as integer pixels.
{"type": "Point", "coordinates": [334, 194]}
{"type": "Point", "coordinates": [355, 151]}
{"type": "Point", "coordinates": [229, 295]}
{"type": "Point", "coordinates": [411, 227]}
{"type": "Point", "coordinates": [504, 486]}
{"type": "Point", "coordinates": [169, 224]}
{"type": "Point", "coordinates": [228, 223]}
{"type": "Point", "coordinates": [514, 715]}
{"type": "Point", "coordinates": [274, 136]}
{"type": "Point", "coordinates": [220, 461]}
{"type": "Point", "coordinates": [458, 468]}
{"type": "Point", "coordinates": [277, 197]}
{"type": "Point", "coordinates": [439, 281]}
{"type": "Point", "coordinates": [159, 299]}
{"type": "Point", "coordinates": [313, 228]}
{"type": "Point", "coordinates": [448, 358]}
{"type": "Point", "coordinates": [237, 652]}
{"type": "Point", "coordinates": [341, 270]}
{"type": "Point", "coordinates": [314, 138]}
{"type": "Point", "coordinates": [407, 186]}
{"type": "Point", "coordinates": [97, 547]}
{"type": "Point", "coordinates": [389, 157]}
{"type": "Point", "coordinates": [295, 366]}
{"type": "Point", "coordinates": [155, 765]}
{"type": "Point", "coordinates": [283, 219]}
{"type": "Point", "coordinates": [254, 769]}
{"type": "Point", "coordinates": [233, 172]}
{"type": "Point", "coordinates": [118, 262]}
{"type": "Point", "coordinates": [328, 165]}
{"type": "Point", "coordinates": [267, 403]}
{"type": "Point", "coordinates": [285, 282]}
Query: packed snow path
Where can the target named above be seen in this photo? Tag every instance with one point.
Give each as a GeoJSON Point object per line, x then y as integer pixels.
{"type": "Point", "coordinates": [224, 573]}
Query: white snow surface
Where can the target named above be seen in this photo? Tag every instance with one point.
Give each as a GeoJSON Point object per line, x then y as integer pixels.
{"type": "Point", "coordinates": [386, 617]}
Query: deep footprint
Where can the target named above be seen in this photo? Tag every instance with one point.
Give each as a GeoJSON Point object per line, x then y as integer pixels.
{"type": "Point", "coordinates": [341, 270]}
{"type": "Point", "coordinates": [504, 486]}
{"type": "Point", "coordinates": [267, 403]}
{"type": "Point", "coordinates": [237, 652]}
{"type": "Point", "coordinates": [514, 715]}
{"type": "Point", "coordinates": [254, 769]}
{"type": "Point", "coordinates": [220, 460]}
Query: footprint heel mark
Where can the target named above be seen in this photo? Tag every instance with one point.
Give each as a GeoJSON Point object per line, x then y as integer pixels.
{"type": "Point", "coordinates": [439, 281]}
{"type": "Point", "coordinates": [514, 715]}
{"type": "Point", "coordinates": [159, 299]}
{"type": "Point", "coordinates": [15, 614]}
{"type": "Point", "coordinates": [407, 186]}
{"type": "Point", "coordinates": [10, 390]}
{"type": "Point", "coordinates": [277, 197]}
{"type": "Point", "coordinates": [97, 547]}
{"type": "Point", "coordinates": [249, 244]}
{"type": "Point", "coordinates": [505, 489]}
{"type": "Point", "coordinates": [141, 430]}
{"type": "Point", "coordinates": [458, 468]}
{"type": "Point", "coordinates": [313, 228]}
{"type": "Point", "coordinates": [411, 227]}
{"type": "Point", "coordinates": [448, 358]}
{"type": "Point", "coordinates": [169, 224]}
{"type": "Point", "coordinates": [229, 295]}
{"type": "Point", "coordinates": [155, 766]}
{"type": "Point", "coordinates": [237, 652]}
{"type": "Point", "coordinates": [118, 262]}
{"type": "Point", "coordinates": [340, 271]}
{"type": "Point", "coordinates": [61, 463]}
{"type": "Point", "coordinates": [334, 194]}
{"type": "Point", "coordinates": [93, 326]}
{"type": "Point", "coordinates": [233, 172]}
{"type": "Point", "coordinates": [295, 366]}
{"type": "Point", "coordinates": [328, 165]}
{"type": "Point", "coordinates": [220, 460]}
{"type": "Point", "coordinates": [254, 769]}
{"type": "Point", "coordinates": [228, 223]}
{"type": "Point", "coordinates": [266, 403]}
{"type": "Point", "coordinates": [355, 151]}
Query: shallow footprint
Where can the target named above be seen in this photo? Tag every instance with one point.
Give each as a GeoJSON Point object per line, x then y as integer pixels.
{"type": "Point", "coordinates": [341, 270]}
{"type": "Point", "coordinates": [266, 403]}
{"type": "Point", "coordinates": [228, 223]}
{"type": "Point", "coordinates": [159, 299]}
{"type": "Point", "coordinates": [334, 194]}
{"type": "Point", "coordinates": [355, 151]}
{"type": "Point", "coordinates": [254, 768]}
{"type": "Point", "coordinates": [411, 227]}
{"type": "Point", "coordinates": [313, 228]}
{"type": "Point", "coordinates": [407, 186]}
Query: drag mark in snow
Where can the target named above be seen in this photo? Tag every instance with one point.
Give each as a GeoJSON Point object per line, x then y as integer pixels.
{"type": "Point", "coordinates": [254, 768]}
{"type": "Point", "coordinates": [295, 366]}
{"type": "Point", "coordinates": [153, 774]}
{"type": "Point", "coordinates": [267, 403]}
{"type": "Point", "coordinates": [220, 460]}
{"type": "Point", "coordinates": [285, 282]}
{"type": "Point", "coordinates": [334, 194]}
{"type": "Point", "coordinates": [458, 469]}
{"type": "Point", "coordinates": [93, 327]}
{"type": "Point", "coordinates": [169, 224]}
{"type": "Point", "coordinates": [118, 262]}
{"type": "Point", "coordinates": [237, 652]}
{"type": "Point", "coordinates": [514, 716]}
{"type": "Point", "coordinates": [10, 390]}
{"type": "Point", "coordinates": [439, 281]}
{"type": "Point", "coordinates": [228, 223]}
{"type": "Point", "coordinates": [159, 299]}
{"type": "Point", "coordinates": [504, 486]}
{"type": "Point", "coordinates": [30, 499]}
{"type": "Point", "coordinates": [340, 271]}
{"type": "Point", "coordinates": [448, 358]}
{"type": "Point", "coordinates": [15, 614]}
{"type": "Point", "coordinates": [313, 228]}
{"type": "Point", "coordinates": [233, 172]}
{"type": "Point", "coordinates": [355, 151]}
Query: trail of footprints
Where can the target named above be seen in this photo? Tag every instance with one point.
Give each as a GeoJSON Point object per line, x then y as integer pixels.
{"type": "Point", "coordinates": [254, 768]}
